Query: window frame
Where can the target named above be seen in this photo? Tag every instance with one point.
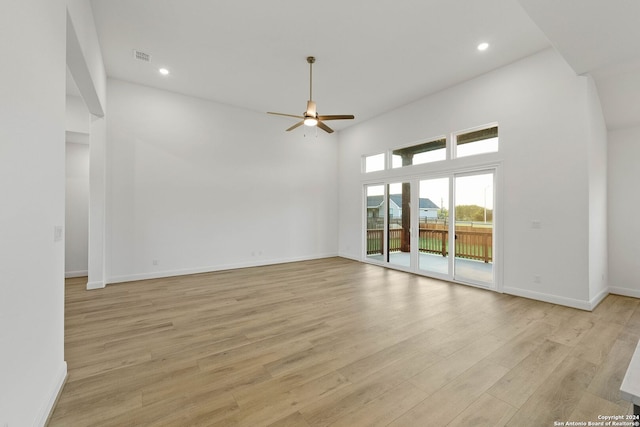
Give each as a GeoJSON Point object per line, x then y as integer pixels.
{"type": "Point", "coordinates": [457, 134]}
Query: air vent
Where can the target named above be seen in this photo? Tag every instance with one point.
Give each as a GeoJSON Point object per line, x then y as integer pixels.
{"type": "Point", "coordinates": [141, 56]}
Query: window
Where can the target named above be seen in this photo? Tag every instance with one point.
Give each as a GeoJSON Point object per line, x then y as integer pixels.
{"type": "Point", "coordinates": [427, 152]}
{"type": "Point", "coordinates": [374, 163]}
{"type": "Point", "coordinates": [477, 142]}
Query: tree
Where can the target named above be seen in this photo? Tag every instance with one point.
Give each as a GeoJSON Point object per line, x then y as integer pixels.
{"type": "Point", "coordinates": [472, 213]}
{"type": "Point", "coordinates": [443, 213]}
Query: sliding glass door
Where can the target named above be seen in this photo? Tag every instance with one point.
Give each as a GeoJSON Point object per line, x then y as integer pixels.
{"type": "Point", "coordinates": [433, 230]}
{"type": "Point", "coordinates": [399, 224]}
{"type": "Point", "coordinates": [444, 228]}
{"type": "Point", "coordinates": [375, 222]}
{"type": "Point", "coordinates": [388, 222]}
{"type": "Point", "coordinates": [473, 214]}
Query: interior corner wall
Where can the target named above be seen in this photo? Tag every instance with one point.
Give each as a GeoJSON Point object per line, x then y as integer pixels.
{"type": "Point", "coordinates": [539, 104]}
{"type": "Point", "coordinates": [623, 207]}
{"type": "Point", "coordinates": [597, 161]}
{"type": "Point", "coordinates": [32, 177]}
{"type": "Point", "coordinates": [198, 186]}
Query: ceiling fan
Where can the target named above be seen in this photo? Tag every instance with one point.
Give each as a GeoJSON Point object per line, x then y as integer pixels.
{"type": "Point", "coordinates": [311, 117]}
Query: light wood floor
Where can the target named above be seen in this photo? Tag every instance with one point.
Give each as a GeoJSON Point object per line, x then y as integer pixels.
{"type": "Point", "coordinates": [340, 343]}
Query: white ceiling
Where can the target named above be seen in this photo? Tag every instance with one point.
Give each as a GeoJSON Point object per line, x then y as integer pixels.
{"type": "Point", "coordinates": [598, 37]}
{"type": "Point", "coordinates": [371, 56]}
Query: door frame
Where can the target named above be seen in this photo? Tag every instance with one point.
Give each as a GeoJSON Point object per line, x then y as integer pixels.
{"type": "Point", "coordinates": [414, 179]}
{"type": "Point", "coordinates": [453, 233]}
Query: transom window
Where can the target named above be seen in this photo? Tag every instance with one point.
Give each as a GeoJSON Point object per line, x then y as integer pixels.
{"type": "Point", "coordinates": [461, 144]}
{"type": "Point", "coordinates": [374, 163]}
{"type": "Point", "coordinates": [427, 152]}
{"type": "Point", "coordinates": [477, 142]}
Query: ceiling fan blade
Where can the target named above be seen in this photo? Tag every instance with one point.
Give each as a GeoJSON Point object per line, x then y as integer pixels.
{"type": "Point", "coordinates": [286, 115]}
{"type": "Point", "coordinates": [337, 117]}
{"type": "Point", "coordinates": [324, 127]}
{"type": "Point", "coordinates": [295, 126]}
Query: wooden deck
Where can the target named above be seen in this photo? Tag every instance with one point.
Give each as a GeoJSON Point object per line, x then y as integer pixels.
{"type": "Point", "coordinates": [336, 342]}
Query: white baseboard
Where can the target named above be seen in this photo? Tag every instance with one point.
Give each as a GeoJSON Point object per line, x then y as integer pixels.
{"type": "Point", "coordinates": [352, 258]}
{"type": "Point", "coordinates": [598, 298]}
{"type": "Point", "coordinates": [95, 285]}
{"type": "Point", "coordinates": [625, 292]}
{"type": "Point", "coordinates": [45, 411]}
{"type": "Point", "coordinates": [553, 299]}
{"type": "Point", "coordinates": [80, 273]}
{"type": "Point", "coordinates": [210, 269]}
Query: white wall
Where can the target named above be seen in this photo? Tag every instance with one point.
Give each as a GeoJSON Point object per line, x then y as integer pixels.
{"type": "Point", "coordinates": [540, 105]}
{"type": "Point", "coordinates": [77, 118]}
{"type": "Point", "coordinates": [97, 203]}
{"type": "Point", "coordinates": [199, 186]}
{"type": "Point", "coordinates": [84, 60]}
{"type": "Point", "coordinates": [76, 210]}
{"type": "Point", "coordinates": [32, 179]}
{"type": "Point", "coordinates": [597, 162]}
{"type": "Point", "coordinates": [81, 15]}
{"type": "Point", "coordinates": [623, 211]}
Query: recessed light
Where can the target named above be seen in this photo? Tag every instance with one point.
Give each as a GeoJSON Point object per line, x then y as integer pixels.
{"type": "Point", "coordinates": [483, 46]}
{"type": "Point", "coordinates": [163, 71]}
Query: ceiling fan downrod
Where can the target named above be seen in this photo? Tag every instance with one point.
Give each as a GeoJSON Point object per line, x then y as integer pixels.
{"type": "Point", "coordinates": [311, 60]}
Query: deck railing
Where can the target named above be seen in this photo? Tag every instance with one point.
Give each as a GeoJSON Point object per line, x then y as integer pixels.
{"type": "Point", "coordinates": [433, 241]}
{"type": "Point", "coordinates": [476, 244]}
{"type": "Point", "coordinates": [375, 238]}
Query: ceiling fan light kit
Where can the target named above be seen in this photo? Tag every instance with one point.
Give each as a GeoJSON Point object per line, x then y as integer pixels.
{"type": "Point", "coordinates": [310, 121]}
{"type": "Point", "coordinates": [311, 117]}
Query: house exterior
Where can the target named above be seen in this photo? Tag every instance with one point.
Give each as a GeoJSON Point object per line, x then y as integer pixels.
{"type": "Point", "coordinates": [375, 207]}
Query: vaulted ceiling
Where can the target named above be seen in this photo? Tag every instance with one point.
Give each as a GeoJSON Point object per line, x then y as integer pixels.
{"type": "Point", "coordinates": [371, 56]}
{"type": "Point", "coordinates": [599, 38]}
